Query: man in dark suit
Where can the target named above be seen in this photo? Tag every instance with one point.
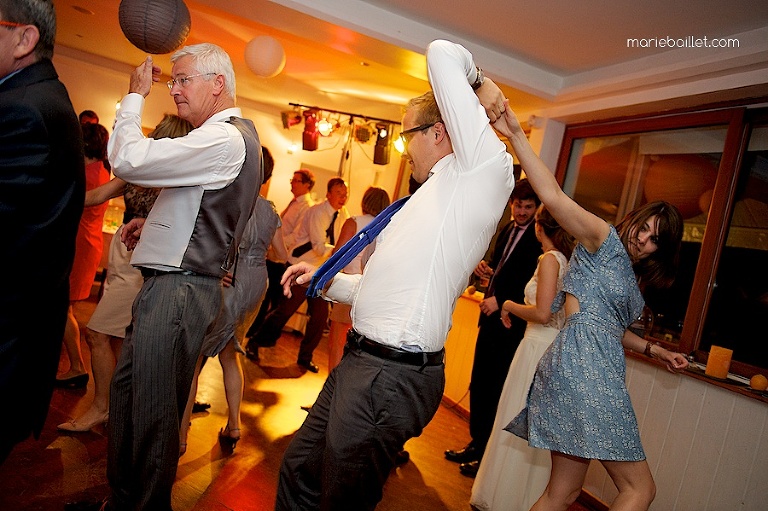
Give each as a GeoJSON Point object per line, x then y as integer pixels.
{"type": "Point", "coordinates": [42, 189]}
{"type": "Point", "coordinates": [514, 259]}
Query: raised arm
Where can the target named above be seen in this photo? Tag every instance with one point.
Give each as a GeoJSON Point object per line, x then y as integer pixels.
{"type": "Point", "coordinates": [546, 290]}
{"type": "Point", "coordinates": [588, 229]}
{"type": "Point", "coordinates": [109, 190]}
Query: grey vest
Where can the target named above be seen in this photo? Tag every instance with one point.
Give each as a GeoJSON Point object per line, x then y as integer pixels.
{"type": "Point", "coordinates": [223, 213]}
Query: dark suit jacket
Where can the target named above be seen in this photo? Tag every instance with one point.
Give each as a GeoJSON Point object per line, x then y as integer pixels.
{"type": "Point", "coordinates": [42, 189]}
{"type": "Point", "coordinates": [510, 279]}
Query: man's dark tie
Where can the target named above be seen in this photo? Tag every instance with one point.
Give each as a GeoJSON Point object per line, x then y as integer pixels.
{"type": "Point", "coordinates": [350, 249]}
{"type": "Point", "coordinates": [504, 257]}
{"type": "Point", "coordinates": [329, 231]}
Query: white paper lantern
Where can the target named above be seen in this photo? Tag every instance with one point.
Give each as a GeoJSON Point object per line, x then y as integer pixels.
{"type": "Point", "coordinates": [265, 56]}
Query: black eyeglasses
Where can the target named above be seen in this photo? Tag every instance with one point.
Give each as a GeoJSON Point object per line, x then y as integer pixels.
{"type": "Point", "coordinates": [407, 135]}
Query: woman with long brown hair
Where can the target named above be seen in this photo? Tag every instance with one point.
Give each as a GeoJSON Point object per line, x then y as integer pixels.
{"type": "Point", "coordinates": [579, 406]}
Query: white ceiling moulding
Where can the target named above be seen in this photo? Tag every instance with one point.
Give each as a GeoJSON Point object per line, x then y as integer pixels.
{"type": "Point", "coordinates": [376, 22]}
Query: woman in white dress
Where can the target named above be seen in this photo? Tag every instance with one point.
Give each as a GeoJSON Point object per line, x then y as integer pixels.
{"type": "Point", "coordinates": [513, 475]}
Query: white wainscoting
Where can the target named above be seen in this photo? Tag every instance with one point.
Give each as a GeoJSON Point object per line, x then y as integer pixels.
{"type": "Point", "coordinates": [707, 447]}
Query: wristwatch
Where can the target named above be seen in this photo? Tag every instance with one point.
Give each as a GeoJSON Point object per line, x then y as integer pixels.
{"type": "Point", "coordinates": [479, 80]}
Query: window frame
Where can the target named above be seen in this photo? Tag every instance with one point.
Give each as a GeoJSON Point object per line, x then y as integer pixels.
{"type": "Point", "coordinates": [739, 120]}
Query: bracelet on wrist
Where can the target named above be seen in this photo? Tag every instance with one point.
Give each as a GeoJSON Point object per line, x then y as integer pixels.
{"type": "Point", "coordinates": [647, 351]}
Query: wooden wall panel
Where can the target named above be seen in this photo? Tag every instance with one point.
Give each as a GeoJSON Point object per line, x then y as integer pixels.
{"type": "Point", "coordinates": [707, 447]}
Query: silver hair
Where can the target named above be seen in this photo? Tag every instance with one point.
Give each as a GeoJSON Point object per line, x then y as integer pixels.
{"type": "Point", "coordinates": [209, 58]}
{"type": "Point", "coordinates": [39, 13]}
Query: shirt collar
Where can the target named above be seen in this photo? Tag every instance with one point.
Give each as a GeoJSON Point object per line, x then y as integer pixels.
{"type": "Point", "coordinates": [224, 115]}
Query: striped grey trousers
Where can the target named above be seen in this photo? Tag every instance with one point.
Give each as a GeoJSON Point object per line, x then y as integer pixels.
{"type": "Point", "coordinates": [151, 385]}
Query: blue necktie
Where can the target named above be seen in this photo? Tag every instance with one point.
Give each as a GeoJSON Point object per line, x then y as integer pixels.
{"type": "Point", "coordinates": [350, 249]}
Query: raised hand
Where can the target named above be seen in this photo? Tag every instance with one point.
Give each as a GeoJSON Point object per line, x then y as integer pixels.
{"type": "Point", "coordinates": [143, 76]}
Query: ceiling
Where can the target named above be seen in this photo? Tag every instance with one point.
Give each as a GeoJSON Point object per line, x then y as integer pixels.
{"type": "Point", "coordinates": [551, 57]}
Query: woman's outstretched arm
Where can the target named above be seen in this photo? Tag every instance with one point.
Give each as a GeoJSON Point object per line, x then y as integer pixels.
{"type": "Point", "coordinates": [588, 229]}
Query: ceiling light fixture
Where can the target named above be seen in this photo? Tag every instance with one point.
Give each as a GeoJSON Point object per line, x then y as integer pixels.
{"type": "Point", "coordinates": [318, 122]}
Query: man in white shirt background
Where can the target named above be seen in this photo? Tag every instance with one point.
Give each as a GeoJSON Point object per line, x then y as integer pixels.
{"type": "Point", "coordinates": [302, 182]}
{"type": "Point", "coordinates": [313, 243]}
{"type": "Point", "coordinates": [390, 382]}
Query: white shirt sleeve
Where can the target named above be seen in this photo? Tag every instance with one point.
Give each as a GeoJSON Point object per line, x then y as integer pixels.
{"type": "Point", "coordinates": [451, 71]}
{"type": "Point", "coordinates": [210, 156]}
{"type": "Point", "coordinates": [343, 287]}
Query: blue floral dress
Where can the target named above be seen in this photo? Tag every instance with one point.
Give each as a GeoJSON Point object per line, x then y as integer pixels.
{"type": "Point", "coordinates": [578, 403]}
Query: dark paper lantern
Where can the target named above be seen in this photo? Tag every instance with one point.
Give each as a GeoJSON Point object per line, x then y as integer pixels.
{"type": "Point", "coordinates": [155, 26]}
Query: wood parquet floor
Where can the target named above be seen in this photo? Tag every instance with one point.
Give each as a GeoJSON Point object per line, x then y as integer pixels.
{"type": "Point", "coordinates": [42, 475]}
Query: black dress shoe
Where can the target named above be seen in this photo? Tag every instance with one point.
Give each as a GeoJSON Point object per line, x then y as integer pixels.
{"type": "Point", "coordinates": [200, 407]}
{"type": "Point", "coordinates": [73, 382]}
{"type": "Point", "coordinates": [469, 469]}
{"type": "Point", "coordinates": [252, 354]}
{"type": "Point", "coordinates": [309, 366]}
{"type": "Point", "coordinates": [465, 455]}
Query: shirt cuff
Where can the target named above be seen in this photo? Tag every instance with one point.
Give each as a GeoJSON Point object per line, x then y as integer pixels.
{"type": "Point", "coordinates": [343, 288]}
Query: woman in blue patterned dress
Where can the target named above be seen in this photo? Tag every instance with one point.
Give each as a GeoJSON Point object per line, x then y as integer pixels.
{"type": "Point", "coordinates": [579, 406]}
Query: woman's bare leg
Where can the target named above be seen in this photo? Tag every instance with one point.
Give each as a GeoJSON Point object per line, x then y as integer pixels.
{"type": "Point", "coordinates": [635, 483]}
{"type": "Point", "coordinates": [72, 346]}
{"type": "Point", "coordinates": [233, 386]}
{"type": "Point", "coordinates": [565, 481]}
{"type": "Point", "coordinates": [185, 420]}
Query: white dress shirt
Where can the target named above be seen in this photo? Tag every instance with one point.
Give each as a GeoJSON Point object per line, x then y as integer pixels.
{"type": "Point", "coordinates": [423, 258]}
{"type": "Point", "coordinates": [292, 218]}
{"type": "Point", "coordinates": [313, 229]}
{"type": "Point", "coordinates": [208, 158]}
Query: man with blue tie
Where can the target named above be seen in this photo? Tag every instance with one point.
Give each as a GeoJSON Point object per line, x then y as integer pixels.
{"type": "Point", "coordinates": [390, 382]}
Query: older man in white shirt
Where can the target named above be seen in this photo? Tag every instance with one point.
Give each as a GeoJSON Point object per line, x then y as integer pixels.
{"type": "Point", "coordinates": [390, 383]}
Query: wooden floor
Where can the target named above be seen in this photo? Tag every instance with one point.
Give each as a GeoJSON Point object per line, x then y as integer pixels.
{"type": "Point", "coordinates": [42, 475]}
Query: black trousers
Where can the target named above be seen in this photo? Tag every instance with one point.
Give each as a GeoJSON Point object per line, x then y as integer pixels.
{"type": "Point", "coordinates": [272, 298]}
{"type": "Point", "coordinates": [494, 350]}
{"type": "Point", "coordinates": [368, 408]}
{"type": "Point", "coordinates": [270, 331]}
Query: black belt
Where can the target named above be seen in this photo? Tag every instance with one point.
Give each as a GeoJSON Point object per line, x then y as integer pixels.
{"type": "Point", "coordinates": [151, 272]}
{"type": "Point", "coordinates": [416, 358]}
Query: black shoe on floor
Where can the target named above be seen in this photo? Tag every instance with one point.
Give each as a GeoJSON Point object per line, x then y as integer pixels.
{"type": "Point", "coordinates": [469, 469]}
{"type": "Point", "coordinates": [465, 455]}
{"type": "Point", "coordinates": [73, 382]}
{"type": "Point", "coordinates": [200, 407]}
{"type": "Point", "coordinates": [252, 354]}
{"type": "Point", "coordinates": [402, 457]}
{"type": "Point", "coordinates": [309, 366]}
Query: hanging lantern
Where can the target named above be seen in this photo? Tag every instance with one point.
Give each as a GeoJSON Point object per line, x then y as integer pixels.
{"type": "Point", "coordinates": [265, 56]}
{"type": "Point", "coordinates": [155, 26]}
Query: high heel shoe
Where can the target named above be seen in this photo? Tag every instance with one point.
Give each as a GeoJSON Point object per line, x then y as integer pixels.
{"type": "Point", "coordinates": [226, 440]}
{"type": "Point", "coordinates": [74, 426]}
{"type": "Point", "coordinates": [73, 382]}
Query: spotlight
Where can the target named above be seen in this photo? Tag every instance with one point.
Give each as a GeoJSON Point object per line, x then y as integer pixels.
{"type": "Point", "coordinates": [383, 144]}
{"type": "Point", "coordinates": [362, 133]}
{"type": "Point", "coordinates": [310, 135]}
{"type": "Point", "coordinates": [290, 118]}
{"type": "Point", "coordinates": [327, 126]}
